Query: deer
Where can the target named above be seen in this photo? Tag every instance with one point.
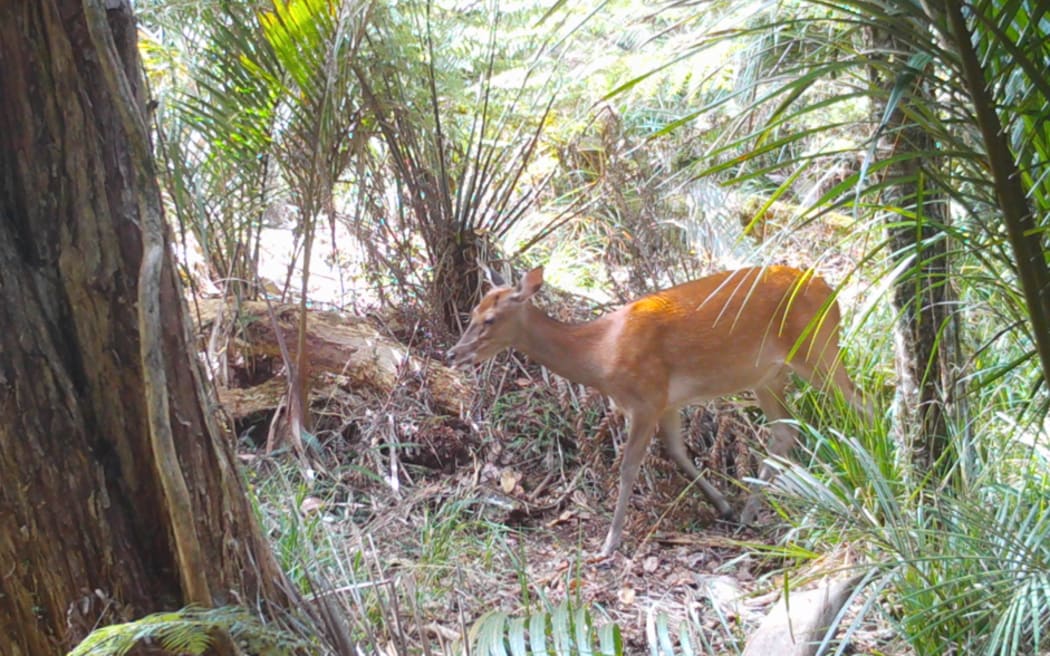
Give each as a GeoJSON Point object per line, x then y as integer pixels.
{"type": "Point", "coordinates": [726, 333]}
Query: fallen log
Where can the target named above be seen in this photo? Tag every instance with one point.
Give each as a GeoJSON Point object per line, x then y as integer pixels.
{"type": "Point", "coordinates": [350, 347]}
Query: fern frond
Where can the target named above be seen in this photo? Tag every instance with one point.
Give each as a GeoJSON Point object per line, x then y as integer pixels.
{"type": "Point", "coordinates": [190, 630]}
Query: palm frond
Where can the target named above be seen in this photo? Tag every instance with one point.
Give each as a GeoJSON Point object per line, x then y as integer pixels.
{"type": "Point", "coordinates": [563, 629]}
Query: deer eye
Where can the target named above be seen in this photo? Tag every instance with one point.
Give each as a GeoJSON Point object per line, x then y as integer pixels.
{"type": "Point", "coordinates": [489, 321]}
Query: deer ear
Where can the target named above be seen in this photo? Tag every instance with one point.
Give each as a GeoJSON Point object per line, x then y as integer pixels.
{"type": "Point", "coordinates": [529, 285]}
{"type": "Point", "coordinates": [491, 275]}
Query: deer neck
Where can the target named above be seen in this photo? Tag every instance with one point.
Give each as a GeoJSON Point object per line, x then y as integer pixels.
{"type": "Point", "coordinates": [572, 351]}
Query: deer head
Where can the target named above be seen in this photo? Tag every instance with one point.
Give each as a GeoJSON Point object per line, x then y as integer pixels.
{"type": "Point", "coordinates": [497, 321]}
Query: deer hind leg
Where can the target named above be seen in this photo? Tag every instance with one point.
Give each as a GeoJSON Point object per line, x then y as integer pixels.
{"type": "Point", "coordinates": [839, 379]}
{"type": "Point", "coordinates": [822, 368]}
{"type": "Point", "coordinates": [771, 400]}
{"type": "Point", "coordinates": [642, 426]}
{"type": "Point", "coordinates": [670, 432]}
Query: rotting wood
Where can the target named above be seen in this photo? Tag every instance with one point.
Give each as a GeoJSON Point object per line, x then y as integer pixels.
{"type": "Point", "coordinates": [240, 403]}
{"type": "Point", "coordinates": [338, 345]}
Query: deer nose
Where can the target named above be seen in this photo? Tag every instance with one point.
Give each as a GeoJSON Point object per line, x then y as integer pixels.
{"type": "Point", "coordinates": [460, 354]}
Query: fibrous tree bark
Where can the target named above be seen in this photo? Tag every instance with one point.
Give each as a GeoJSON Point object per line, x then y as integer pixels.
{"type": "Point", "coordinates": [918, 242]}
{"type": "Point", "coordinates": [108, 510]}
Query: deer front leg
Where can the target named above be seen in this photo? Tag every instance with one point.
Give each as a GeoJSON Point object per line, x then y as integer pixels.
{"type": "Point", "coordinates": [784, 436]}
{"type": "Point", "coordinates": [641, 431]}
{"type": "Point", "coordinates": [670, 433]}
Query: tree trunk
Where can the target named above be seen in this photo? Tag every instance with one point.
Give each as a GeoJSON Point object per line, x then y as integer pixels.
{"type": "Point", "coordinates": [919, 248]}
{"type": "Point", "coordinates": [90, 528]}
{"type": "Point", "coordinates": [455, 287]}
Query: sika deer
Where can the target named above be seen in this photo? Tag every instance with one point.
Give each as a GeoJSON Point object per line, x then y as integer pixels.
{"type": "Point", "coordinates": [722, 334]}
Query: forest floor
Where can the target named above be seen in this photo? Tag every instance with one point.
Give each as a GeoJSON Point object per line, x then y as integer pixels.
{"type": "Point", "coordinates": [503, 510]}
{"type": "Point", "coordinates": [429, 524]}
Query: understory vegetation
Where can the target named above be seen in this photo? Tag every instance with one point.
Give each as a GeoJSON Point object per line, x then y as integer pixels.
{"type": "Point", "coordinates": [381, 159]}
